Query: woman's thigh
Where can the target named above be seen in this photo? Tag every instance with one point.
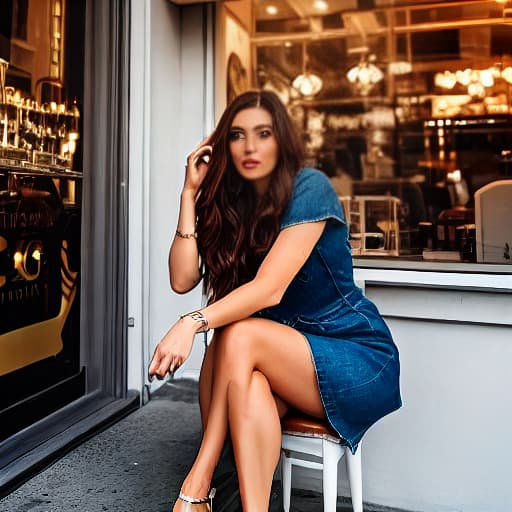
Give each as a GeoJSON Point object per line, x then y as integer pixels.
{"type": "Point", "coordinates": [279, 352]}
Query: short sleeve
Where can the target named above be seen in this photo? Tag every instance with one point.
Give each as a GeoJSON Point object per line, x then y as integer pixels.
{"type": "Point", "coordinates": [313, 199]}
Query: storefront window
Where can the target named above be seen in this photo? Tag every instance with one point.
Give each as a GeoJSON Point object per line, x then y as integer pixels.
{"type": "Point", "coordinates": [41, 92]}
{"type": "Point", "coordinates": [407, 106]}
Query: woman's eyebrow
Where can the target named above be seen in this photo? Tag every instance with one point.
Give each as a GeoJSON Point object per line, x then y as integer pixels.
{"type": "Point", "coordinates": [254, 128]}
{"type": "Point", "coordinates": [263, 126]}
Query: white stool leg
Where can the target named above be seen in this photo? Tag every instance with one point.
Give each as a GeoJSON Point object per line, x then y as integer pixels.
{"type": "Point", "coordinates": [332, 452]}
{"type": "Point", "coordinates": [355, 478]}
{"type": "Point", "coordinates": [286, 480]}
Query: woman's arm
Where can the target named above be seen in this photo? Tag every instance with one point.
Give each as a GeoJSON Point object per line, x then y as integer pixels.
{"type": "Point", "coordinates": [286, 257]}
{"type": "Point", "coordinates": [284, 260]}
{"type": "Point", "coordinates": [183, 255]}
{"type": "Point", "coordinates": [183, 263]}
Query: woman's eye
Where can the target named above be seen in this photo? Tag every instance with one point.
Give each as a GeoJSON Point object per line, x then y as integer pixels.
{"type": "Point", "coordinates": [265, 133]}
{"type": "Point", "coordinates": [236, 136]}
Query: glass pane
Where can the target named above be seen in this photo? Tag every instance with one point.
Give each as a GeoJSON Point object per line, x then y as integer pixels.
{"type": "Point", "coordinates": [40, 216]}
{"type": "Point", "coordinates": [407, 99]}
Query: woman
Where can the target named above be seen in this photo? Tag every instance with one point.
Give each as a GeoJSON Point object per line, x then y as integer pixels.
{"type": "Point", "coordinates": [270, 242]}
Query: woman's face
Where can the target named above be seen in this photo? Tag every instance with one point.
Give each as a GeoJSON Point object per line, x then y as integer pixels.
{"type": "Point", "coordinates": [253, 146]}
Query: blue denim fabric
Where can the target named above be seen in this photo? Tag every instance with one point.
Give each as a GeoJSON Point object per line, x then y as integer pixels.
{"type": "Point", "coordinates": [356, 361]}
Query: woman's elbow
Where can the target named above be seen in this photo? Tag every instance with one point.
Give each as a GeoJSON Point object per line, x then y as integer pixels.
{"type": "Point", "coordinates": [274, 297]}
{"type": "Point", "coordinates": [182, 286]}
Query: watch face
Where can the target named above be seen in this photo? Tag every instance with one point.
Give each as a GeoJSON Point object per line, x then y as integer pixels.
{"type": "Point", "coordinates": [237, 80]}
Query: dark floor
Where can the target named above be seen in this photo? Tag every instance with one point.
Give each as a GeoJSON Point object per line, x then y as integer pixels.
{"type": "Point", "coordinates": [136, 465]}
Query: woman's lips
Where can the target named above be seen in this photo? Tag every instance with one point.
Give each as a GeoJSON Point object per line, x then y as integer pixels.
{"type": "Point", "coordinates": [250, 164]}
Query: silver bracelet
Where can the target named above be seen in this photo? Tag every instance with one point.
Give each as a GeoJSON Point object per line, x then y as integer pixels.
{"type": "Point", "coordinates": [198, 317]}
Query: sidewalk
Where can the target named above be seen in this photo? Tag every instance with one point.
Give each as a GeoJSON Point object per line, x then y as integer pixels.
{"type": "Point", "coordinates": [136, 465]}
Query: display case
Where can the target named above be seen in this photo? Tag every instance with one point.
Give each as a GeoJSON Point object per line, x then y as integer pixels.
{"type": "Point", "coordinates": [373, 224]}
{"type": "Point", "coordinates": [40, 233]}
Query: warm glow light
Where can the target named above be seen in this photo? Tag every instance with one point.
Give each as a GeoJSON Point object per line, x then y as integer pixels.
{"type": "Point", "coordinates": [308, 84]}
{"type": "Point", "coordinates": [36, 255]}
{"type": "Point", "coordinates": [364, 76]}
{"type": "Point", "coordinates": [486, 77]}
{"type": "Point", "coordinates": [455, 176]}
{"type": "Point", "coordinates": [447, 80]}
{"type": "Point", "coordinates": [320, 5]}
{"type": "Point", "coordinates": [507, 74]}
{"type": "Point", "coordinates": [401, 67]}
{"type": "Point", "coordinates": [476, 89]}
{"type": "Point", "coordinates": [272, 10]}
{"type": "Point", "coordinates": [476, 80]}
{"type": "Point", "coordinates": [464, 77]}
{"type": "Point", "coordinates": [18, 258]}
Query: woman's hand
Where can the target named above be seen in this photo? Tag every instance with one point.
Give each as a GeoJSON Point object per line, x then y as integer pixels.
{"type": "Point", "coordinates": [197, 166]}
{"type": "Point", "coordinates": [173, 349]}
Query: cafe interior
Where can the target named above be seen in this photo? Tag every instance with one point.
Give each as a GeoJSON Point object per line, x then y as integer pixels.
{"type": "Point", "coordinates": [405, 105]}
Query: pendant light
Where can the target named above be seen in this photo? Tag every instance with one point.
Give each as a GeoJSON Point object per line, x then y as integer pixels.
{"type": "Point", "coordinates": [365, 75]}
{"type": "Point", "coordinates": [308, 84]}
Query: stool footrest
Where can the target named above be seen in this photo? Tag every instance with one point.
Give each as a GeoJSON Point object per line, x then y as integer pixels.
{"type": "Point", "coordinates": [305, 463]}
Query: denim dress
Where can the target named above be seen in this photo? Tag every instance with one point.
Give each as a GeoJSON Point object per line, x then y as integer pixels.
{"type": "Point", "coordinates": [355, 359]}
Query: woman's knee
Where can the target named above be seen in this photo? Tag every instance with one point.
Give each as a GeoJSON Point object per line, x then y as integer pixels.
{"type": "Point", "coordinates": [236, 342]}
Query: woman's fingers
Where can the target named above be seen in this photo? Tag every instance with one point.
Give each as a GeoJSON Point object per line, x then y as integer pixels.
{"type": "Point", "coordinates": [162, 363]}
{"type": "Point", "coordinates": [200, 155]}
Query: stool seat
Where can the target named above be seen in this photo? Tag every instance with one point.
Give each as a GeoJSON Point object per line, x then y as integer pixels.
{"type": "Point", "coordinates": [297, 424]}
{"type": "Point", "coordinates": [314, 437]}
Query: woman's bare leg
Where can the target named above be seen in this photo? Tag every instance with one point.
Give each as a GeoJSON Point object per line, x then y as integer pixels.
{"type": "Point", "coordinates": [213, 406]}
{"type": "Point", "coordinates": [206, 385]}
{"type": "Point", "coordinates": [282, 355]}
{"type": "Point", "coordinates": [256, 433]}
{"type": "Point", "coordinates": [206, 381]}
{"type": "Point", "coordinates": [263, 358]}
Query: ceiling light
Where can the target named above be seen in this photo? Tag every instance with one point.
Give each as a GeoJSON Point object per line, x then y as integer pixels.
{"type": "Point", "coordinates": [446, 80]}
{"type": "Point", "coordinates": [365, 75]}
{"type": "Point", "coordinates": [486, 77]}
{"type": "Point", "coordinates": [476, 89]}
{"type": "Point", "coordinates": [507, 74]}
{"type": "Point", "coordinates": [401, 67]}
{"type": "Point", "coordinates": [307, 83]}
{"type": "Point", "coordinates": [320, 5]}
{"type": "Point", "coordinates": [463, 77]}
{"type": "Point", "coordinates": [272, 10]}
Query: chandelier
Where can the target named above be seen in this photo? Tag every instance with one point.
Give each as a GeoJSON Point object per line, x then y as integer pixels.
{"type": "Point", "coordinates": [475, 80]}
{"type": "Point", "coordinates": [307, 83]}
{"type": "Point", "coordinates": [365, 75]}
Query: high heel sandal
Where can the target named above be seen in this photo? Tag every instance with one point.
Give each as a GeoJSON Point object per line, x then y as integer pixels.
{"type": "Point", "coordinates": [198, 504]}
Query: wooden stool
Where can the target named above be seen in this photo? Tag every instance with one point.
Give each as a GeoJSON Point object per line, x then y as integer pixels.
{"type": "Point", "coordinates": [303, 435]}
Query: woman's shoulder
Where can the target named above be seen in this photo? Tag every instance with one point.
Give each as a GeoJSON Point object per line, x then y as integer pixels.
{"type": "Point", "coordinates": [313, 198]}
{"type": "Point", "coordinates": [310, 181]}
{"type": "Point", "coordinates": [311, 176]}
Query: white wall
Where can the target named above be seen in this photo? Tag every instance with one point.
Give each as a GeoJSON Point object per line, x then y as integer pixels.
{"type": "Point", "coordinates": [170, 86]}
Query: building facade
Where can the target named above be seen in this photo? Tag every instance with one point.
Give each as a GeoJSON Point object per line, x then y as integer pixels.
{"type": "Point", "coordinates": [157, 75]}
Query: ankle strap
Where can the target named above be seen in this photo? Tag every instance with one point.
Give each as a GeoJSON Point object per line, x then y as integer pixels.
{"type": "Point", "coordinates": [188, 499]}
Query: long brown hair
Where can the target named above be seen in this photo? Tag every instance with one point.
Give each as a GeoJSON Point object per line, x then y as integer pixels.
{"type": "Point", "coordinates": [235, 228]}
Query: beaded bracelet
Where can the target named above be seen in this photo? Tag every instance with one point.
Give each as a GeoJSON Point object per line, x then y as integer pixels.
{"type": "Point", "coordinates": [185, 235]}
{"type": "Point", "coordinates": [198, 317]}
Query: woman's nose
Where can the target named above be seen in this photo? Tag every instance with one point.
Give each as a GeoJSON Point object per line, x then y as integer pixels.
{"type": "Point", "coordinates": [249, 145]}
